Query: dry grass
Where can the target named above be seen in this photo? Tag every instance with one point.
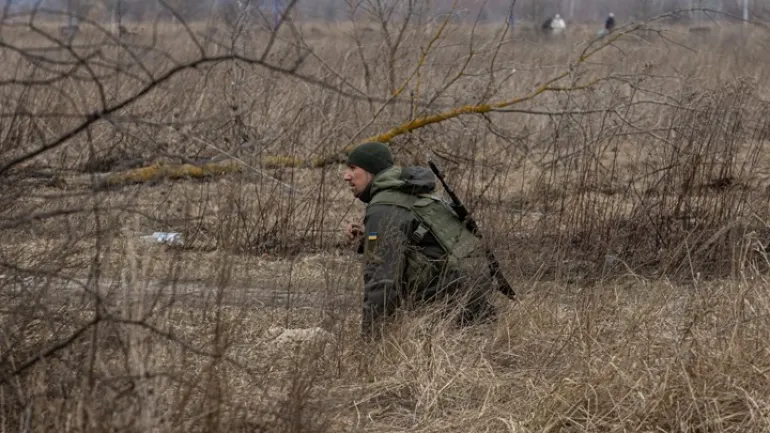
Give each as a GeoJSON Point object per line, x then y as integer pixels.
{"type": "Point", "coordinates": [635, 356]}
{"type": "Point", "coordinates": [630, 216]}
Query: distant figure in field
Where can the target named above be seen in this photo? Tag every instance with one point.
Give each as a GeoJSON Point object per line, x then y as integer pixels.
{"type": "Point", "coordinates": [554, 25]}
{"type": "Point", "coordinates": [609, 24]}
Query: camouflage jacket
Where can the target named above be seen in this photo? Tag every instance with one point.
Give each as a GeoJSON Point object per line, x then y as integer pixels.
{"type": "Point", "coordinates": [402, 260]}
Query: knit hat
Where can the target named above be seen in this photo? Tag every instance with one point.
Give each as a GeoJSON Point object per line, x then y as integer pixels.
{"type": "Point", "coordinates": [373, 157]}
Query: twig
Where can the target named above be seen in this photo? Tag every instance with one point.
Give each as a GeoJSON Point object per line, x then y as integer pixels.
{"type": "Point", "coordinates": [50, 350]}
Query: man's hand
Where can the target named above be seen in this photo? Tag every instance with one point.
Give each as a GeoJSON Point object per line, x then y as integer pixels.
{"type": "Point", "coordinates": [355, 231]}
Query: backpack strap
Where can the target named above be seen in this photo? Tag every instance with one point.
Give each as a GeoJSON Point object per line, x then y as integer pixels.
{"type": "Point", "coordinates": [407, 201]}
{"type": "Point", "coordinates": [436, 217]}
{"type": "Point", "coordinates": [395, 198]}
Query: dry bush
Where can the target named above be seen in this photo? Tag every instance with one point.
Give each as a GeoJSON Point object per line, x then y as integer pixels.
{"type": "Point", "coordinates": [640, 175]}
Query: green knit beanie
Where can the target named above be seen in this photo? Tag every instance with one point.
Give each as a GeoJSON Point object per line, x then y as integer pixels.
{"type": "Point", "coordinates": [373, 157]}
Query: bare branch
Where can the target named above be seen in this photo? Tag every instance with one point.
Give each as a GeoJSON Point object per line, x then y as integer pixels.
{"type": "Point", "coordinates": [49, 351]}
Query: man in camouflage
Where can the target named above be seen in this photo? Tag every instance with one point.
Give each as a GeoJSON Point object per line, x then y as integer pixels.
{"type": "Point", "coordinates": [415, 248]}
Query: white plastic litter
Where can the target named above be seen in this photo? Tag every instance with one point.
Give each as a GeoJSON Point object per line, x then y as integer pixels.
{"type": "Point", "coordinates": [165, 238]}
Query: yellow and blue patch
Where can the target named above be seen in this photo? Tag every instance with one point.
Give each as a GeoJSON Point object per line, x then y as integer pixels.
{"type": "Point", "coordinates": [371, 245]}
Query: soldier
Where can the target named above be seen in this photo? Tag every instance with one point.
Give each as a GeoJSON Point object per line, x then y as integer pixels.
{"type": "Point", "coordinates": [415, 248]}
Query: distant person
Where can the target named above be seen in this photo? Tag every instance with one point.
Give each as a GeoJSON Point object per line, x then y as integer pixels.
{"type": "Point", "coordinates": [558, 25]}
{"type": "Point", "coordinates": [609, 25]}
{"type": "Point", "coordinates": [555, 25]}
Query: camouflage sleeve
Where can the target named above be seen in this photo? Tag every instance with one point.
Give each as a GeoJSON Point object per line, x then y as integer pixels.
{"type": "Point", "coordinates": [386, 231]}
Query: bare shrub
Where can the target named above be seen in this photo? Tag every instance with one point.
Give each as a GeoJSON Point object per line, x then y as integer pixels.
{"type": "Point", "coordinates": [637, 167]}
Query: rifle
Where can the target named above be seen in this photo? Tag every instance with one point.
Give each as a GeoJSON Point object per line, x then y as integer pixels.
{"type": "Point", "coordinates": [465, 216]}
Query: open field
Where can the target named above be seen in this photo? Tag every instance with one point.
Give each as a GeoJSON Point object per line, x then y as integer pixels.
{"type": "Point", "coordinates": [627, 201]}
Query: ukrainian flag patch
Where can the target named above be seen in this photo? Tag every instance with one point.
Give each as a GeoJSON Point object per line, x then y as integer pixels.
{"type": "Point", "coordinates": [372, 236]}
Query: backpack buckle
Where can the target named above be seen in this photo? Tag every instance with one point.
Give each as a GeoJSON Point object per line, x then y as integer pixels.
{"type": "Point", "coordinates": [420, 233]}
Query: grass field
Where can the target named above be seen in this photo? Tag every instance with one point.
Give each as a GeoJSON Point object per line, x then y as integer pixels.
{"type": "Point", "coordinates": [627, 202]}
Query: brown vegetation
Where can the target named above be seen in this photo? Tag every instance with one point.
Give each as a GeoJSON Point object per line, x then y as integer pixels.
{"type": "Point", "coordinates": [627, 202]}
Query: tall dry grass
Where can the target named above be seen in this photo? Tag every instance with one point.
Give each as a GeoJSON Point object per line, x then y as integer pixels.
{"type": "Point", "coordinates": [629, 216]}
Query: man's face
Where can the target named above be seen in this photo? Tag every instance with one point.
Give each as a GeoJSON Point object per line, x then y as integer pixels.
{"type": "Point", "coordinates": [358, 179]}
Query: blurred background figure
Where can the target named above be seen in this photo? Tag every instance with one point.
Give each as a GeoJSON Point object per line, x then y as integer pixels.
{"type": "Point", "coordinates": [609, 24]}
{"type": "Point", "coordinates": [546, 27]}
{"type": "Point", "coordinates": [558, 25]}
{"type": "Point", "coordinates": [554, 25]}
